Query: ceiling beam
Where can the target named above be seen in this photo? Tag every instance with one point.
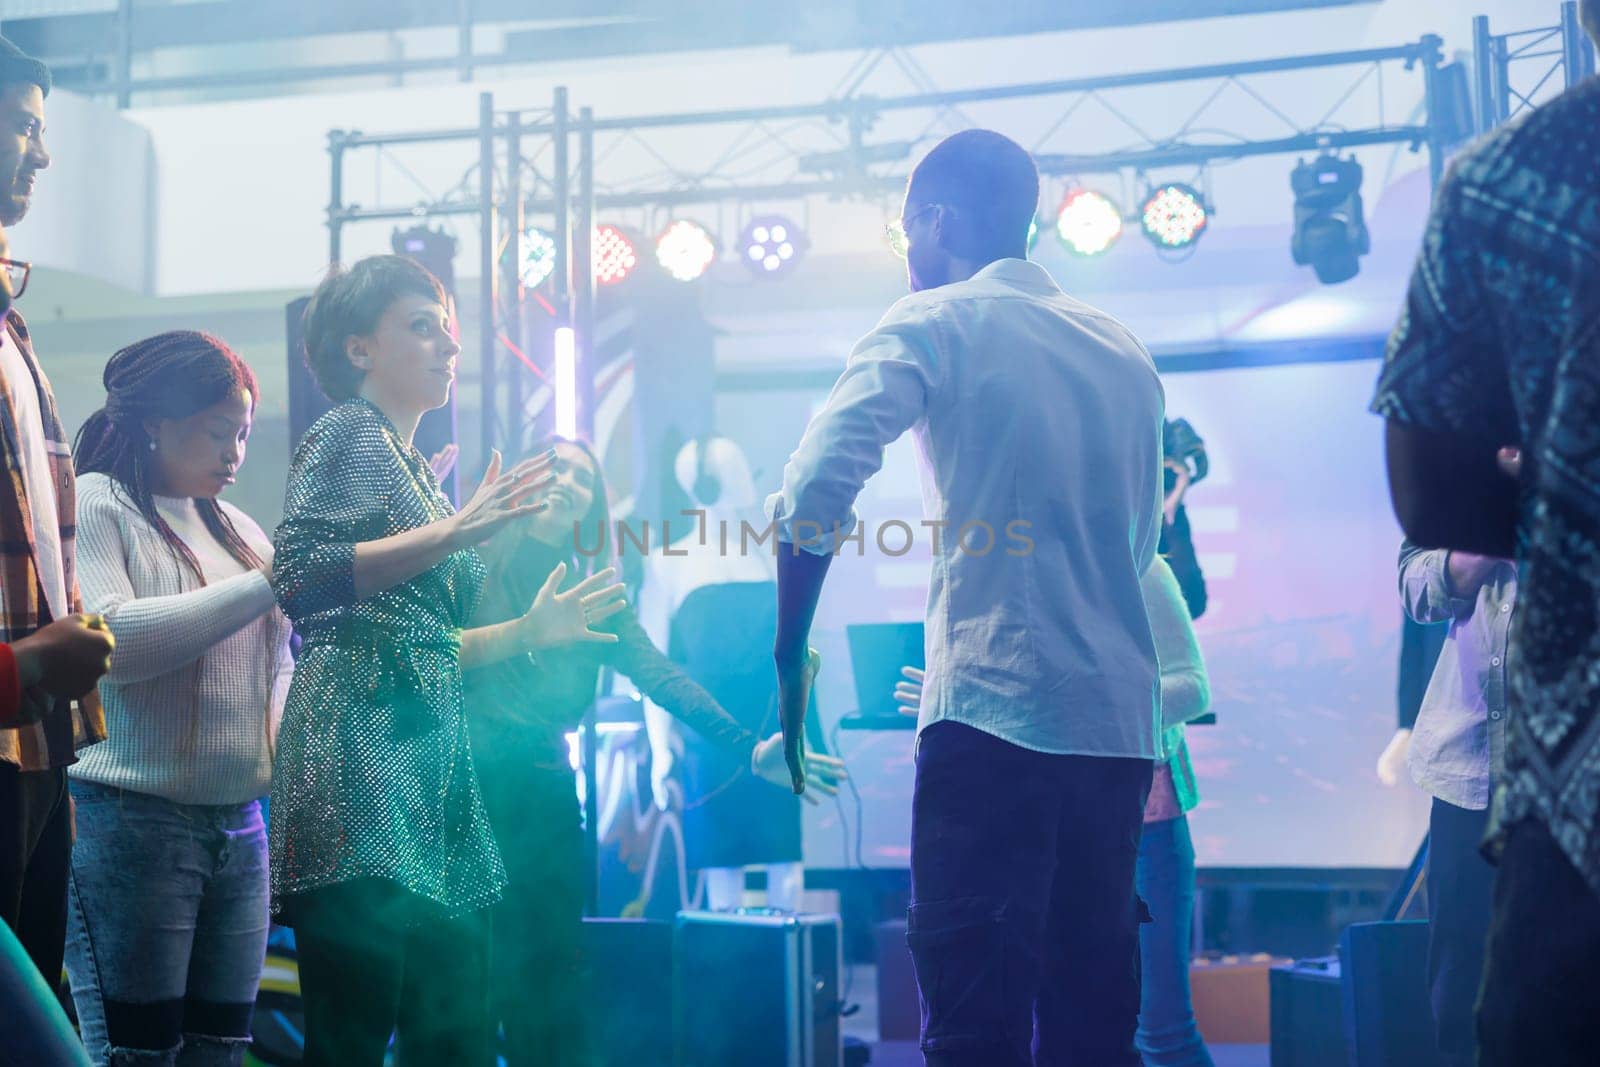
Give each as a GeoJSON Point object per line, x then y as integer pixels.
{"type": "Point", "coordinates": [636, 25]}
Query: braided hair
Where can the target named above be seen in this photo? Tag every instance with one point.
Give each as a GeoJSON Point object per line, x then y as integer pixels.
{"type": "Point", "coordinates": [172, 375]}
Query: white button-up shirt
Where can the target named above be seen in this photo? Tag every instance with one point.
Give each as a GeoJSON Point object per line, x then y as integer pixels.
{"type": "Point", "coordinates": [1458, 743]}
{"type": "Point", "coordinates": [1038, 428]}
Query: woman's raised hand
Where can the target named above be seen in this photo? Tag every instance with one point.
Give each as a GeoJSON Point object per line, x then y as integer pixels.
{"type": "Point", "coordinates": [443, 461]}
{"type": "Point", "coordinates": [558, 618]}
{"type": "Point", "coordinates": [502, 498]}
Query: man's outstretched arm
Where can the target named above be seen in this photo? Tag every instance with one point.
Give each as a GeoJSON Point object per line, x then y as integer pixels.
{"type": "Point", "coordinates": [800, 577]}
{"type": "Point", "coordinates": [884, 390]}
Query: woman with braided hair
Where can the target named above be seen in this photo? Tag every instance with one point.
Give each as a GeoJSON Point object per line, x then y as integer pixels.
{"type": "Point", "coordinates": [167, 921]}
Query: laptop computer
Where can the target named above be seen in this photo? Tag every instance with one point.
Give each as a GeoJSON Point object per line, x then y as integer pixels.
{"type": "Point", "coordinates": [877, 652]}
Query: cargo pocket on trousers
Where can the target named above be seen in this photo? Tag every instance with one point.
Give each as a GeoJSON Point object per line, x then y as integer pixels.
{"type": "Point", "coordinates": [976, 976]}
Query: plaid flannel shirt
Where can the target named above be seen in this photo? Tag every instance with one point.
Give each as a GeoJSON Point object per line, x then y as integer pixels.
{"type": "Point", "coordinates": [68, 724]}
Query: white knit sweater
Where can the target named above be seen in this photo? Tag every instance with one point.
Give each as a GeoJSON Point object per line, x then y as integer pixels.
{"type": "Point", "coordinates": [200, 671]}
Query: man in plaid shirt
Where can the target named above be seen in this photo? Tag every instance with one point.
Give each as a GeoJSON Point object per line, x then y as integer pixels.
{"type": "Point", "coordinates": [46, 681]}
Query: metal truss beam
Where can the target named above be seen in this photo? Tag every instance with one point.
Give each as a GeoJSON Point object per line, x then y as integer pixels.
{"type": "Point", "coordinates": [93, 50]}
{"type": "Point", "coordinates": [860, 112]}
{"type": "Point", "coordinates": [1509, 77]}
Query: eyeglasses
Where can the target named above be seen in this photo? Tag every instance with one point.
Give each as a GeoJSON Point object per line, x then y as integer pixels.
{"type": "Point", "coordinates": [896, 230]}
{"type": "Point", "coordinates": [17, 272]}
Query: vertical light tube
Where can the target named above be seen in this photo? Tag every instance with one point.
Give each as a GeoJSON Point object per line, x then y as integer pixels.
{"type": "Point", "coordinates": [488, 280]}
{"type": "Point", "coordinates": [566, 353]}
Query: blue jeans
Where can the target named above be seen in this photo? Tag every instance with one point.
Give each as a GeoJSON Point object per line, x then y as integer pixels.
{"type": "Point", "coordinates": [1168, 1035]}
{"type": "Point", "coordinates": [166, 927]}
{"type": "Point", "coordinates": [1460, 887]}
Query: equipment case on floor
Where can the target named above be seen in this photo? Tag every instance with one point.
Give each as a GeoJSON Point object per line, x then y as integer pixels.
{"type": "Point", "coordinates": [1308, 1014]}
{"type": "Point", "coordinates": [756, 986]}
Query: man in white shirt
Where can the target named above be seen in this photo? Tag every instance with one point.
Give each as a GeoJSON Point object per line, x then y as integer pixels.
{"type": "Point", "coordinates": [1456, 754]}
{"type": "Point", "coordinates": [1038, 422]}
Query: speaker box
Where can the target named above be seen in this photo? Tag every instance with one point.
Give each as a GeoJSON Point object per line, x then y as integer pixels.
{"type": "Point", "coordinates": [757, 986]}
{"type": "Point", "coordinates": [307, 403]}
{"type": "Point", "coordinates": [1307, 1014]}
{"type": "Point", "coordinates": [1388, 1019]}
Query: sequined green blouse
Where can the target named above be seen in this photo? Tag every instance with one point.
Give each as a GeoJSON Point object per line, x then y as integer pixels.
{"type": "Point", "coordinates": [374, 775]}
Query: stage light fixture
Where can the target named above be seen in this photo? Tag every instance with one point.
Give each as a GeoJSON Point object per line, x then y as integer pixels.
{"type": "Point", "coordinates": [538, 257]}
{"type": "Point", "coordinates": [612, 254]}
{"type": "Point", "coordinates": [1088, 223]}
{"type": "Point", "coordinates": [1174, 216]}
{"type": "Point", "coordinates": [685, 250]}
{"type": "Point", "coordinates": [771, 245]}
{"type": "Point", "coordinates": [1330, 230]}
{"type": "Point", "coordinates": [434, 249]}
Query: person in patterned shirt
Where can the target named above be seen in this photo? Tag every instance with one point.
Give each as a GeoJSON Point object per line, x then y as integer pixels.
{"type": "Point", "coordinates": [1499, 345]}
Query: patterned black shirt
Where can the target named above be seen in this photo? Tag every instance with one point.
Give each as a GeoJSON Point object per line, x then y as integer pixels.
{"type": "Point", "coordinates": [1500, 343]}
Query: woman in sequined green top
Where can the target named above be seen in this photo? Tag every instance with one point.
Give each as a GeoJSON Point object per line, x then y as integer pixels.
{"type": "Point", "coordinates": [382, 856]}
